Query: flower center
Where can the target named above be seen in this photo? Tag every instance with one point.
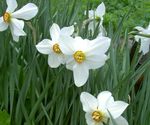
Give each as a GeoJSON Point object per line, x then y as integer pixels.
{"type": "Point", "coordinates": [79, 56]}
{"type": "Point", "coordinates": [98, 116]}
{"type": "Point", "coordinates": [56, 48]}
{"type": "Point", "coordinates": [6, 17]}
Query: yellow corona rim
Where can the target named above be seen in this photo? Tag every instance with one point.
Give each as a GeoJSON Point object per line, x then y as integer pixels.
{"type": "Point", "coordinates": [6, 17]}
{"type": "Point", "coordinates": [79, 56]}
{"type": "Point", "coordinates": [56, 48]}
{"type": "Point", "coordinates": [98, 116]}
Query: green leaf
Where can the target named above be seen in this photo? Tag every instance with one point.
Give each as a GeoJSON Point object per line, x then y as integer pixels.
{"type": "Point", "coordinates": [4, 118]}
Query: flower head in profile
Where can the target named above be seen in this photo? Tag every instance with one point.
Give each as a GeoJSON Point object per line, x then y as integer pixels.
{"type": "Point", "coordinates": [83, 55]}
{"type": "Point", "coordinates": [98, 13]}
{"type": "Point", "coordinates": [98, 16]}
{"type": "Point", "coordinates": [12, 19]}
{"type": "Point", "coordinates": [52, 47]}
{"type": "Point", "coordinates": [100, 110]}
{"type": "Point", "coordinates": [145, 42]}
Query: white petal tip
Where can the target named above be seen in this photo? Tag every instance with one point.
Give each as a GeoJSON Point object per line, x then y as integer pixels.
{"type": "Point", "coordinates": [79, 84]}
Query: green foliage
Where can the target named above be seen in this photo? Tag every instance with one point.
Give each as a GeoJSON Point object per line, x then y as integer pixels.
{"type": "Point", "coordinates": [4, 118]}
{"type": "Point", "coordinates": [138, 15]}
{"type": "Point", "coordinates": [35, 94]}
{"type": "Point", "coordinates": [139, 12]}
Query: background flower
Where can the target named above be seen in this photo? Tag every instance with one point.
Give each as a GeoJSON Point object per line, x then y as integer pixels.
{"type": "Point", "coordinates": [96, 17]}
{"type": "Point", "coordinates": [145, 42]}
{"type": "Point", "coordinates": [12, 19]}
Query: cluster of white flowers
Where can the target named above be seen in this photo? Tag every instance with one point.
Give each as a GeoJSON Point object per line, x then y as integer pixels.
{"type": "Point", "coordinates": [81, 55]}
{"type": "Point", "coordinates": [78, 54]}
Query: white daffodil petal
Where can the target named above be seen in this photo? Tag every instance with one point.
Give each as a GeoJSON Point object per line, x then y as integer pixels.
{"type": "Point", "coordinates": [117, 108]}
{"type": "Point", "coordinates": [103, 98]}
{"type": "Point", "coordinates": [102, 31]}
{"type": "Point", "coordinates": [15, 38]}
{"type": "Point", "coordinates": [146, 31]}
{"type": "Point", "coordinates": [68, 31]}
{"type": "Point", "coordinates": [139, 28]}
{"type": "Point", "coordinates": [70, 62]}
{"type": "Point", "coordinates": [113, 122]}
{"type": "Point", "coordinates": [62, 58]}
{"type": "Point", "coordinates": [91, 14]}
{"type": "Point", "coordinates": [66, 44]}
{"type": "Point", "coordinates": [121, 121]}
{"type": "Point", "coordinates": [89, 102]}
{"type": "Point", "coordinates": [27, 12]}
{"type": "Point", "coordinates": [44, 47]}
{"type": "Point", "coordinates": [138, 38]}
{"type": "Point", "coordinates": [110, 100]}
{"type": "Point", "coordinates": [81, 44]}
{"type": "Point", "coordinates": [100, 45]}
{"type": "Point", "coordinates": [104, 42]}
{"type": "Point", "coordinates": [100, 11]}
{"type": "Point", "coordinates": [89, 119]}
{"type": "Point", "coordinates": [3, 25]}
{"type": "Point", "coordinates": [142, 30]}
{"type": "Point", "coordinates": [148, 28]}
{"type": "Point", "coordinates": [53, 60]}
{"type": "Point", "coordinates": [17, 27]}
{"type": "Point", "coordinates": [80, 74]}
{"type": "Point", "coordinates": [145, 45]}
{"type": "Point", "coordinates": [96, 61]}
{"type": "Point", "coordinates": [145, 42]}
{"type": "Point", "coordinates": [12, 5]}
{"type": "Point", "coordinates": [55, 32]}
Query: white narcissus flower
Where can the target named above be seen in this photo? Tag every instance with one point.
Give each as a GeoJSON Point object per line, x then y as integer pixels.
{"type": "Point", "coordinates": [12, 19]}
{"type": "Point", "coordinates": [145, 42]}
{"type": "Point", "coordinates": [98, 109]}
{"type": "Point", "coordinates": [83, 54]}
{"type": "Point", "coordinates": [52, 47]}
{"type": "Point", "coordinates": [98, 15]}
